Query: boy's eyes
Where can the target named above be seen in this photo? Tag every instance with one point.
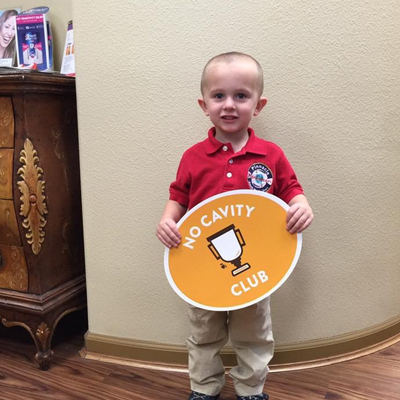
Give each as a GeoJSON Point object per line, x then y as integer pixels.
{"type": "Point", "coordinates": [240, 96]}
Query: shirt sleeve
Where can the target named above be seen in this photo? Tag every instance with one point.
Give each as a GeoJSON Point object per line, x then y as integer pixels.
{"type": "Point", "coordinates": [180, 188]}
{"type": "Point", "coordinates": [288, 185]}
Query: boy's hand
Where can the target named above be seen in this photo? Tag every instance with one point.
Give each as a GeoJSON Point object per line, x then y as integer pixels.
{"type": "Point", "coordinates": [299, 215]}
{"type": "Point", "coordinates": [167, 233]}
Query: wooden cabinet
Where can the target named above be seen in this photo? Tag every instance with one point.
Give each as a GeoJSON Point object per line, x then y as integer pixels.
{"type": "Point", "coordinates": [41, 239]}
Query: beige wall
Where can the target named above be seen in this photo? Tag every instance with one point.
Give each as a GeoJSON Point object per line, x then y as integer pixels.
{"type": "Point", "coordinates": [60, 13]}
{"type": "Point", "coordinates": [331, 72]}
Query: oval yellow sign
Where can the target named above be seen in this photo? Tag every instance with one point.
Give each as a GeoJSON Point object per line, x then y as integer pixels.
{"type": "Point", "coordinates": [235, 251]}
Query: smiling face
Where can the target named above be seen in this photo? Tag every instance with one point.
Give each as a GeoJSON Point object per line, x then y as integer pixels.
{"type": "Point", "coordinates": [7, 32]}
{"type": "Point", "coordinates": [231, 96]}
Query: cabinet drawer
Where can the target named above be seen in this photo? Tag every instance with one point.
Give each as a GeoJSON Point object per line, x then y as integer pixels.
{"type": "Point", "coordinates": [6, 169]}
{"type": "Point", "coordinates": [6, 122]}
{"type": "Point", "coordinates": [9, 233]}
{"type": "Point", "coordinates": [13, 269]}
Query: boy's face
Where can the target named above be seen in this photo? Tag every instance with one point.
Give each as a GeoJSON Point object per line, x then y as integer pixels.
{"type": "Point", "coordinates": [231, 96]}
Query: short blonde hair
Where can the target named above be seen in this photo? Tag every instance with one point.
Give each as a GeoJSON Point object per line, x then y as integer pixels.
{"type": "Point", "coordinates": [231, 57]}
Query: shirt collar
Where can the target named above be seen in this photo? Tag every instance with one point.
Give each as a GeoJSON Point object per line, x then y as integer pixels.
{"type": "Point", "coordinates": [254, 144]}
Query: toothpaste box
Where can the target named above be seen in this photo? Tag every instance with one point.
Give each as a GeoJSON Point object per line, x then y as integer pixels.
{"type": "Point", "coordinates": [34, 42]}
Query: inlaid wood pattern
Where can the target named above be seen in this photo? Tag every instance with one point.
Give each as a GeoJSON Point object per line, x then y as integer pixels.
{"type": "Point", "coordinates": [375, 377]}
{"type": "Point", "coordinates": [6, 122]}
{"type": "Point", "coordinates": [13, 268]}
{"type": "Point", "coordinates": [8, 224]}
{"type": "Point", "coordinates": [33, 200]}
{"type": "Point", "coordinates": [6, 168]}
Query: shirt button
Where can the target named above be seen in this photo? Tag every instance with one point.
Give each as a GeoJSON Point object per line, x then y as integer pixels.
{"type": "Point", "coordinates": [225, 148]}
{"type": "Point", "coordinates": [229, 174]}
{"type": "Point", "coordinates": [231, 161]}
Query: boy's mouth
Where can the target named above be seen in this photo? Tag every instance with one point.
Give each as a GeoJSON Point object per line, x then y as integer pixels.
{"type": "Point", "coordinates": [229, 117]}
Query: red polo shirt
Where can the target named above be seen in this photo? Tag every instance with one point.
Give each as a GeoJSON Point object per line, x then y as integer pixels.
{"type": "Point", "coordinates": [211, 167]}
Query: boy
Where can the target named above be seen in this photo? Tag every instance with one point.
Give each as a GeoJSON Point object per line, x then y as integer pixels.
{"type": "Point", "coordinates": [231, 158]}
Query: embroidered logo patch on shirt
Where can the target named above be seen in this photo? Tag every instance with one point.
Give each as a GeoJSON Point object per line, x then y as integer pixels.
{"type": "Point", "coordinates": [259, 177]}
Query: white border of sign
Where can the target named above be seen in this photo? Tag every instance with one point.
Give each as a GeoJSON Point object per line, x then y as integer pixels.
{"type": "Point", "coordinates": [282, 281]}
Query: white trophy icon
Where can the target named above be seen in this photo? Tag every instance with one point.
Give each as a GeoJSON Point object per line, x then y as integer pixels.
{"type": "Point", "coordinates": [227, 245]}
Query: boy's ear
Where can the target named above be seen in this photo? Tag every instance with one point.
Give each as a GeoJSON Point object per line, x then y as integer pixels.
{"type": "Point", "coordinates": [203, 106]}
{"type": "Point", "coordinates": [260, 105]}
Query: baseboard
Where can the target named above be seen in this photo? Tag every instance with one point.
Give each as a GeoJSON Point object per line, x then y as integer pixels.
{"type": "Point", "coordinates": [288, 357]}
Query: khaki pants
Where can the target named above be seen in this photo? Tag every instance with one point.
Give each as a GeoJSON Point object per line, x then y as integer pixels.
{"type": "Point", "coordinates": [251, 335]}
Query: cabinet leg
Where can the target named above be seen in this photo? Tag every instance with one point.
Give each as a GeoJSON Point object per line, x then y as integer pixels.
{"type": "Point", "coordinates": [44, 359]}
{"type": "Point", "coordinates": [41, 335]}
{"type": "Point", "coordinates": [43, 340]}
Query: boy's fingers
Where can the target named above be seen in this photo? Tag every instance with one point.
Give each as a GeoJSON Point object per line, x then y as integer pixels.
{"type": "Point", "coordinates": [173, 235]}
{"type": "Point", "coordinates": [163, 241]}
{"type": "Point", "coordinates": [293, 218]}
{"type": "Point", "coordinates": [308, 222]}
{"type": "Point", "coordinates": [166, 240]}
{"type": "Point", "coordinates": [296, 227]}
{"type": "Point", "coordinates": [302, 223]}
{"type": "Point", "coordinates": [306, 225]}
{"type": "Point", "coordinates": [170, 227]}
{"type": "Point", "coordinates": [289, 214]}
{"type": "Point", "coordinates": [168, 237]}
{"type": "Point", "coordinates": [174, 229]}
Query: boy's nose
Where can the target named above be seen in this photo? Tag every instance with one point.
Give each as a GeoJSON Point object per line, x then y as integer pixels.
{"type": "Point", "coordinates": [229, 103]}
